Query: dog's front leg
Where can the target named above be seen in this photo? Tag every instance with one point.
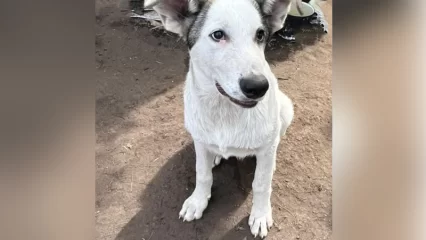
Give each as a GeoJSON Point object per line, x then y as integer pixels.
{"type": "Point", "coordinates": [261, 212]}
{"type": "Point", "coordinates": [194, 206]}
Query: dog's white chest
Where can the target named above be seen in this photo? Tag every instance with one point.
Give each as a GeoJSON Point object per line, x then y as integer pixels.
{"type": "Point", "coordinates": [230, 130]}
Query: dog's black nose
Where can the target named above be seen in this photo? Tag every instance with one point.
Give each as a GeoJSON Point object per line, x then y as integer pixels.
{"type": "Point", "coordinates": [254, 86]}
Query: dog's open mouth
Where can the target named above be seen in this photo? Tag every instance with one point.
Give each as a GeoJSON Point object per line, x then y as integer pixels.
{"type": "Point", "coordinates": [244, 104]}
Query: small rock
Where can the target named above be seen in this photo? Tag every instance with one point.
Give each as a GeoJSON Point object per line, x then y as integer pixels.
{"type": "Point", "coordinates": [171, 97]}
{"type": "Point", "coordinates": [239, 228]}
{"type": "Point", "coordinates": [277, 227]}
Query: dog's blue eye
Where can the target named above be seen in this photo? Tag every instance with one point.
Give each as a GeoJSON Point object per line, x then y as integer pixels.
{"type": "Point", "coordinates": [218, 35]}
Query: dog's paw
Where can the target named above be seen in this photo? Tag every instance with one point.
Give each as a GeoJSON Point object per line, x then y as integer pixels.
{"type": "Point", "coordinates": [217, 161]}
{"type": "Point", "coordinates": [193, 208]}
{"type": "Point", "coordinates": [260, 222]}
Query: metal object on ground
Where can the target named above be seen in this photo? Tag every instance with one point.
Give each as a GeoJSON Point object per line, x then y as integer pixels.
{"type": "Point", "coordinates": [296, 23]}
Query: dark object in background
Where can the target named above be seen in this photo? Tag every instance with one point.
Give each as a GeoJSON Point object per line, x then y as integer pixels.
{"type": "Point", "coordinates": [294, 24]}
{"type": "Point", "coordinates": [137, 6]}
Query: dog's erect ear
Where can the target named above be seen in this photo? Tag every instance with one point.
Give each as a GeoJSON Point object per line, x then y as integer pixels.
{"type": "Point", "coordinates": [177, 15]}
{"type": "Point", "coordinates": [275, 12]}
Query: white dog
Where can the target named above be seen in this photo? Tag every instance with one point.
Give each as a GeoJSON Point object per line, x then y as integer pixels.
{"type": "Point", "coordinates": [233, 106]}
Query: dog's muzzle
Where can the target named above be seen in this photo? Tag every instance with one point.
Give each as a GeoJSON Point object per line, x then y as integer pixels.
{"type": "Point", "coordinates": [244, 104]}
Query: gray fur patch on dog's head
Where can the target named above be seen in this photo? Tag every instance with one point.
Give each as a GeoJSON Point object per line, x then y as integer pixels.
{"type": "Point", "coordinates": [187, 17]}
{"type": "Point", "coordinates": [194, 30]}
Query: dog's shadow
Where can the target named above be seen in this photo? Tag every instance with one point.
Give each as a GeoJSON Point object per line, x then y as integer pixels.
{"type": "Point", "coordinates": [163, 197]}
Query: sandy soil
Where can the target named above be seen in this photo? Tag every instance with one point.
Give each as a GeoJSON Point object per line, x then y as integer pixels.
{"type": "Point", "coordinates": [145, 158]}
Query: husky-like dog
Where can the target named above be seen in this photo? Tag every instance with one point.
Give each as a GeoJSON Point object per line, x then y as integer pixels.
{"type": "Point", "coordinates": [233, 106]}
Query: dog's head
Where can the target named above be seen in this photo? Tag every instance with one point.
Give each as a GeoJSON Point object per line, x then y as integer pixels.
{"type": "Point", "coordinates": [227, 39]}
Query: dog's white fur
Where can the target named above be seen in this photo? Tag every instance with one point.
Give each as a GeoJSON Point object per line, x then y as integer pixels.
{"type": "Point", "coordinates": [219, 127]}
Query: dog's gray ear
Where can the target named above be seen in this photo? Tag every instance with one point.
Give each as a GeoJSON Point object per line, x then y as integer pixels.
{"type": "Point", "coordinates": [275, 12]}
{"type": "Point", "coordinates": [177, 15]}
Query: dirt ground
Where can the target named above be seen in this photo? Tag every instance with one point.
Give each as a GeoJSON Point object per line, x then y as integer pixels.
{"type": "Point", "coordinates": [145, 158]}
